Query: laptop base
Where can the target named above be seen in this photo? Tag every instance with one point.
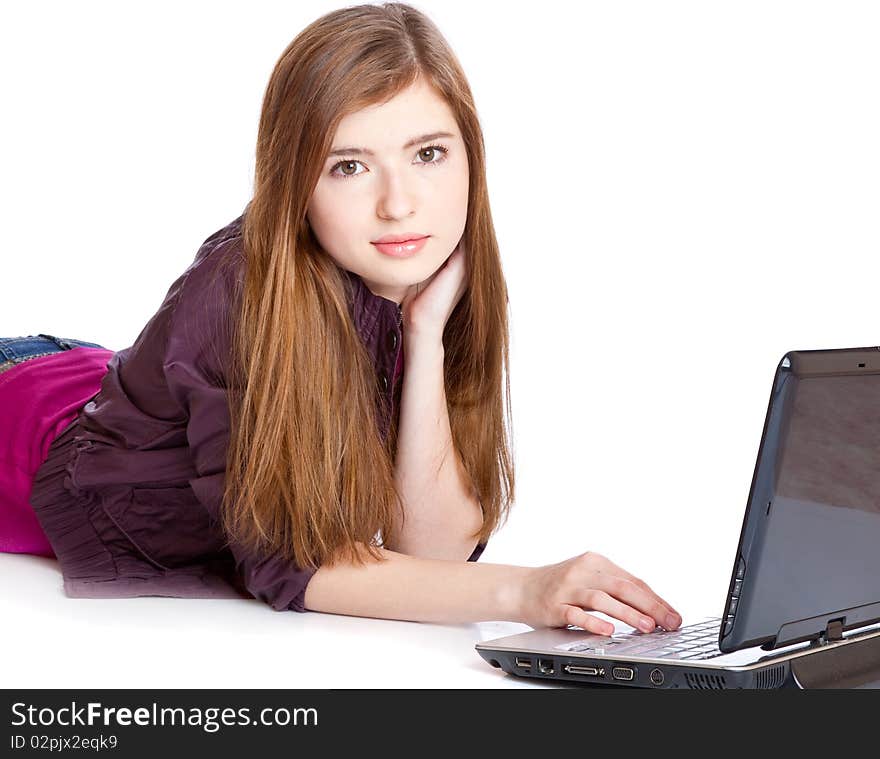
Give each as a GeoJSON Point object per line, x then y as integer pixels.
{"type": "Point", "coordinates": [854, 665]}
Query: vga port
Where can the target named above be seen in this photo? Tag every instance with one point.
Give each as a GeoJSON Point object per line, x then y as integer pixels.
{"type": "Point", "coordinates": [623, 673]}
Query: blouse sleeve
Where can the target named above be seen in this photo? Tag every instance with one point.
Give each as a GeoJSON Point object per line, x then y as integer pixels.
{"type": "Point", "coordinates": [197, 346]}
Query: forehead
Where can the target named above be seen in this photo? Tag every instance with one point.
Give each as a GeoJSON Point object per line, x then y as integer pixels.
{"type": "Point", "coordinates": [418, 109]}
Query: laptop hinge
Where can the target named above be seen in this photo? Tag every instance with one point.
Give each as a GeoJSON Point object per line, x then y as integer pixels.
{"type": "Point", "coordinates": [821, 629]}
{"type": "Point", "coordinates": [834, 631]}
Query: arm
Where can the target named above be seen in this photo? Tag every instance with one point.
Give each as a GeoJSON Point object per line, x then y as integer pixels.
{"type": "Point", "coordinates": [419, 590]}
{"type": "Point", "coordinates": [442, 512]}
{"type": "Point", "coordinates": [454, 592]}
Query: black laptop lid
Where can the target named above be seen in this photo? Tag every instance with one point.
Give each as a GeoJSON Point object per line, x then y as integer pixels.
{"type": "Point", "coordinates": [809, 550]}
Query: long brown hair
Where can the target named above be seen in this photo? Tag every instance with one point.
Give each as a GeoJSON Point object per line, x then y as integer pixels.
{"type": "Point", "coordinates": [308, 474]}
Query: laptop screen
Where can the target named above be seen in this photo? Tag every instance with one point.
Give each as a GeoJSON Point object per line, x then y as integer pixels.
{"type": "Point", "coordinates": [810, 544]}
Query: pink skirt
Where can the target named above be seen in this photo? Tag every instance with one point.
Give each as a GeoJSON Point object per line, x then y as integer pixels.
{"type": "Point", "coordinates": [39, 399]}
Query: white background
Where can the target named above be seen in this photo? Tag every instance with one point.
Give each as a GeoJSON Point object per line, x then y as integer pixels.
{"type": "Point", "coordinates": [682, 192]}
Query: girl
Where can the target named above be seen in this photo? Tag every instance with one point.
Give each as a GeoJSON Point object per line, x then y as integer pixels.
{"type": "Point", "coordinates": [314, 416]}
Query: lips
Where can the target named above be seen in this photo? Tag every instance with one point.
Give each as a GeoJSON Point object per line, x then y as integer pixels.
{"type": "Point", "coordinates": [401, 249]}
{"type": "Point", "coordinates": [399, 238]}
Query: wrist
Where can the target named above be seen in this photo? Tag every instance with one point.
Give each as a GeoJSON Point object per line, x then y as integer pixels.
{"type": "Point", "coordinates": [422, 342]}
{"type": "Point", "coordinates": [511, 593]}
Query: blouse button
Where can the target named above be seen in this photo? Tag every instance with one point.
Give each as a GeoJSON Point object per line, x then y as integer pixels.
{"type": "Point", "coordinates": [384, 381]}
{"type": "Point", "coordinates": [391, 340]}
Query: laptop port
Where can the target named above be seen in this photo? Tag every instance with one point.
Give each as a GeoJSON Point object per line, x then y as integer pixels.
{"type": "Point", "coordinates": [657, 677]}
{"type": "Point", "coordinates": [622, 673]}
{"type": "Point", "coordinates": [577, 669]}
{"type": "Point", "coordinates": [545, 666]}
{"type": "Point", "coordinates": [523, 663]}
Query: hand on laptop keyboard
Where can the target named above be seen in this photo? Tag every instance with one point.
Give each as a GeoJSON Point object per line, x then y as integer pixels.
{"type": "Point", "coordinates": [693, 641]}
{"type": "Point", "coordinates": [560, 594]}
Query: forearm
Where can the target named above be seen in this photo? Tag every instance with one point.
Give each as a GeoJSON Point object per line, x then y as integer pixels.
{"type": "Point", "coordinates": [419, 590]}
{"type": "Point", "coordinates": [442, 511]}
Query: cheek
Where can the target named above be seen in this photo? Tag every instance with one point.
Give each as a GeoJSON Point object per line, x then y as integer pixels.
{"type": "Point", "coordinates": [319, 207]}
{"type": "Point", "coordinates": [327, 216]}
{"type": "Point", "coordinates": [458, 191]}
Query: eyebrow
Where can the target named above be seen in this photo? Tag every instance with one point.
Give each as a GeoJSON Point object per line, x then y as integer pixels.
{"type": "Point", "coordinates": [366, 151]}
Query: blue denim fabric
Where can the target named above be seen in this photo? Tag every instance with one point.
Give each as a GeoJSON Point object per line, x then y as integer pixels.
{"type": "Point", "coordinates": [14, 350]}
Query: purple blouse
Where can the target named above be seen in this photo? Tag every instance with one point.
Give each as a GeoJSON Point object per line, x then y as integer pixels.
{"type": "Point", "coordinates": [129, 493]}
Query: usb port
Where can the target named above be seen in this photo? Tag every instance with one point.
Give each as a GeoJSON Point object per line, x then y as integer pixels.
{"type": "Point", "coordinates": [523, 663]}
{"type": "Point", "coordinates": [622, 673]}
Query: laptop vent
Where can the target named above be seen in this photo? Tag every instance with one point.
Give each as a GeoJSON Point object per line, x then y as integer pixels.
{"type": "Point", "coordinates": [765, 680]}
{"type": "Point", "coordinates": [770, 678]}
{"type": "Point", "coordinates": [704, 682]}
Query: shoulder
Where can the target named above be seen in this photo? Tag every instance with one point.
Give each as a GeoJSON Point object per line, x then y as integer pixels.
{"type": "Point", "coordinates": [220, 256]}
{"type": "Point", "coordinates": [206, 289]}
{"type": "Point", "coordinates": [202, 302]}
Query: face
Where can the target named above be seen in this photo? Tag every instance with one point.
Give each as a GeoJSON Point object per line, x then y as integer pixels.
{"type": "Point", "coordinates": [393, 176]}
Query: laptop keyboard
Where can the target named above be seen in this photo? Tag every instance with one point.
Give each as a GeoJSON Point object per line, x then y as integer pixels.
{"type": "Point", "coordinates": [694, 641]}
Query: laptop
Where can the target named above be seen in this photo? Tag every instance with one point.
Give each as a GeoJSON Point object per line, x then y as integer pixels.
{"type": "Point", "coordinates": [802, 608]}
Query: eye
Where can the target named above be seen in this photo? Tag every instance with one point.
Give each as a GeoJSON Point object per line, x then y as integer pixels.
{"type": "Point", "coordinates": [434, 150]}
{"type": "Point", "coordinates": [431, 151]}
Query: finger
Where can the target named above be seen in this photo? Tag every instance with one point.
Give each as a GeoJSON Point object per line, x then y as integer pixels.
{"type": "Point", "coordinates": [574, 615]}
{"type": "Point", "coordinates": [609, 566]}
{"type": "Point", "coordinates": [645, 601]}
{"type": "Point", "coordinates": [627, 606]}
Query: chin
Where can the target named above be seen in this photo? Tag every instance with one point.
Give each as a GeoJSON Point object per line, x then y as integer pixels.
{"type": "Point", "coordinates": [408, 271]}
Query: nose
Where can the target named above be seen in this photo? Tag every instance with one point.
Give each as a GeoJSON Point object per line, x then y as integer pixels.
{"type": "Point", "coordinates": [396, 199]}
